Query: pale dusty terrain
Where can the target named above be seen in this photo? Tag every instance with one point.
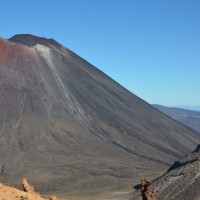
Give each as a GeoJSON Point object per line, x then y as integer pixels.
{"type": "Point", "coordinates": [11, 193]}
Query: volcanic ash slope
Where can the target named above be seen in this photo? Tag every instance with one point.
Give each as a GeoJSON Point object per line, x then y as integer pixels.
{"type": "Point", "coordinates": [69, 128]}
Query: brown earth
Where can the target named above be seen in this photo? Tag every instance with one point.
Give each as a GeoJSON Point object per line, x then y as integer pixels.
{"type": "Point", "coordinates": [28, 193]}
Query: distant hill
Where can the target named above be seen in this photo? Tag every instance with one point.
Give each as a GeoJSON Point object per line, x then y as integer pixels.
{"type": "Point", "coordinates": [190, 118]}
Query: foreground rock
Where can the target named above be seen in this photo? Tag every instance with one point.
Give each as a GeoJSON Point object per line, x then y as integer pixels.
{"type": "Point", "coordinates": [182, 180]}
{"type": "Point", "coordinates": [28, 193]}
{"type": "Point", "coordinates": [147, 190]}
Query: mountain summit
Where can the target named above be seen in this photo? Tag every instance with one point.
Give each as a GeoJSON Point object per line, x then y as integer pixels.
{"type": "Point", "coordinates": [31, 40]}
{"type": "Point", "coordinates": [68, 127]}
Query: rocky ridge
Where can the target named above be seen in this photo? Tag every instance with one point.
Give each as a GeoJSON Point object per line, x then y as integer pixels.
{"type": "Point", "coordinates": [182, 180]}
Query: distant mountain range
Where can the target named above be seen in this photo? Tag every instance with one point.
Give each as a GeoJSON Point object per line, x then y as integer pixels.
{"type": "Point", "coordinates": [188, 117]}
{"type": "Point", "coordinates": [197, 108]}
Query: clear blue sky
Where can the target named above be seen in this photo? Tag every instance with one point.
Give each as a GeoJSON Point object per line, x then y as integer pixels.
{"type": "Point", "coordinates": [151, 47]}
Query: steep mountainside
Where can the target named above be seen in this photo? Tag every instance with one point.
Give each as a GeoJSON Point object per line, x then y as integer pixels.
{"type": "Point", "coordinates": [190, 118]}
{"type": "Point", "coordinates": [69, 128]}
{"type": "Point", "coordinates": [182, 180]}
